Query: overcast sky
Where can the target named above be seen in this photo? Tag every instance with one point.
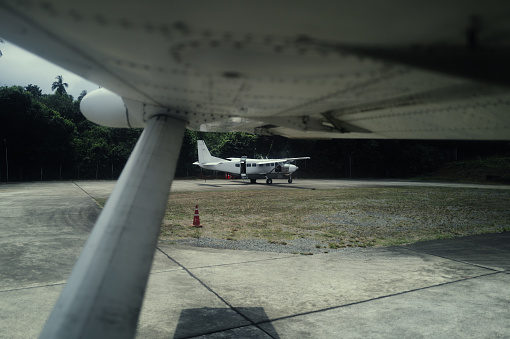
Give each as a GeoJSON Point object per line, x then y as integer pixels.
{"type": "Point", "coordinates": [19, 67]}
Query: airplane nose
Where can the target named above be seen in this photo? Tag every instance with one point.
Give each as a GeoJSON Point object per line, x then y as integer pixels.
{"type": "Point", "coordinates": [287, 168]}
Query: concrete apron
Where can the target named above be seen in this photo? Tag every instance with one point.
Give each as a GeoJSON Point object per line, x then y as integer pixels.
{"type": "Point", "coordinates": [451, 288]}
{"type": "Point", "coordinates": [359, 292]}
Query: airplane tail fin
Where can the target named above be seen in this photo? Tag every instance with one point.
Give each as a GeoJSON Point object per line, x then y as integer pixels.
{"type": "Point", "coordinates": [203, 154]}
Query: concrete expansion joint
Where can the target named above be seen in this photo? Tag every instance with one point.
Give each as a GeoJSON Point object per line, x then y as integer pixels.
{"type": "Point", "coordinates": [378, 298]}
{"type": "Point", "coordinates": [87, 193]}
{"type": "Point", "coordinates": [166, 271]}
{"type": "Point", "coordinates": [242, 262]}
{"type": "Point", "coordinates": [496, 270]}
{"type": "Point", "coordinates": [230, 329]}
{"type": "Point", "coordinates": [252, 323]}
{"type": "Point", "coordinates": [33, 287]}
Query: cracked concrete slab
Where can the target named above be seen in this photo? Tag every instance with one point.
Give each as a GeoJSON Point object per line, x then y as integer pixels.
{"type": "Point", "coordinates": [43, 228]}
{"type": "Point", "coordinates": [302, 284]}
{"type": "Point", "coordinates": [176, 305]}
{"type": "Point", "coordinates": [23, 312]}
{"type": "Point", "coordinates": [472, 308]}
{"type": "Point", "coordinates": [485, 250]}
{"type": "Point", "coordinates": [193, 257]}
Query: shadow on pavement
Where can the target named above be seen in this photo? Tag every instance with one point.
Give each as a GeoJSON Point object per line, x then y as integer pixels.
{"type": "Point", "coordinates": [487, 250]}
{"type": "Point", "coordinates": [203, 321]}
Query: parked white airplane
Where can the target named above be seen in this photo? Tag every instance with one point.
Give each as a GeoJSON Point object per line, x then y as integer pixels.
{"type": "Point", "coordinates": [247, 168]}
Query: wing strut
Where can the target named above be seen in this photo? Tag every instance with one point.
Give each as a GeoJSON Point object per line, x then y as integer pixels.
{"type": "Point", "coordinates": [104, 293]}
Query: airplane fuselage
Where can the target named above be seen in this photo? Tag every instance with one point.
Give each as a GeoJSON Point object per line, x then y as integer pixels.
{"type": "Point", "coordinates": [254, 168]}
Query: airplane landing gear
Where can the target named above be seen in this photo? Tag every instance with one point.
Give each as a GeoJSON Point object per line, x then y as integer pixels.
{"type": "Point", "coordinates": [269, 181]}
{"type": "Point", "coordinates": [253, 181]}
{"type": "Point", "coordinates": [290, 180]}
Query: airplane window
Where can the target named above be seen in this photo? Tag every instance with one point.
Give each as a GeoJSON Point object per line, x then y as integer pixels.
{"type": "Point", "coordinates": [261, 165]}
{"type": "Point", "coordinates": [238, 165]}
{"type": "Point", "coordinates": [268, 164]}
{"type": "Point", "coordinates": [248, 165]}
{"type": "Point", "coordinates": [272, 164]}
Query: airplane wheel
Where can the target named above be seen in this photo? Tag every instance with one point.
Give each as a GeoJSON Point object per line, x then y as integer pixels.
{"type": "Point", "coordinates": [269, 181]}
{"type": "Point", "coordinates": [253, 181]}
{"type": "Point", "coordinates": [290, 180]}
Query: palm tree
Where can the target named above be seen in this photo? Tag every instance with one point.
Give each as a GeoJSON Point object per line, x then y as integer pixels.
{"type": "Point", "coordinates": [82, 94]}
{"type": "Point", "coordinates": [59, 85]}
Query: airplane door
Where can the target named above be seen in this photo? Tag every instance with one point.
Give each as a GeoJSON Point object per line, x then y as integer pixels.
{"type": "Point", "coordinates": [278, 167]}
{"type": "Point", "coordinates": [243, 167]}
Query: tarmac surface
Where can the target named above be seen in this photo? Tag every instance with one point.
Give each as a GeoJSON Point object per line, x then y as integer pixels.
{"type": "Point", "coordinates": [458, 288]}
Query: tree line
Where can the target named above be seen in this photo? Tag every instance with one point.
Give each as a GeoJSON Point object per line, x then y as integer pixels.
{"type": "Point", "coordinates": [45, 137]}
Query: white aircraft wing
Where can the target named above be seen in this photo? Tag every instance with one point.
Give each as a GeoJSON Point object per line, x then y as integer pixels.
{"type": "Point", "coordinates": [312, 69]}
{"type": "Point", "coordinates": [268, 161]}
{"type": "Point", "coordinates": [207, 163]}
{"type": "Point", "coordinates": [302, 69]}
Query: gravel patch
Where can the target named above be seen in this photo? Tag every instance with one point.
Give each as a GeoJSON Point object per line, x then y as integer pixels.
{"type": "Point", "coordinates": [296, 246]}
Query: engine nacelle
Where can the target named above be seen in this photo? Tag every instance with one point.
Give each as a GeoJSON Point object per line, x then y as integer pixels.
{"type": "Point", "coordinates": [288, 168]}
{"type": "Point", "coordinates": [105, 108]}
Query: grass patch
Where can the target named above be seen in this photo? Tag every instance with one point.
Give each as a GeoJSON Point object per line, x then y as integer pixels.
{"type": "Point", "coordinates": [348, 217]}
{"type": "Point", "coordinates": [492, 169]}
{"type": "Point", "coordinates": [101, 201]}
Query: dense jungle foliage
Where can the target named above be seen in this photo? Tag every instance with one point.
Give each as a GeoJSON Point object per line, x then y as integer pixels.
{"type": "Point", "coordinates": [45, 137]}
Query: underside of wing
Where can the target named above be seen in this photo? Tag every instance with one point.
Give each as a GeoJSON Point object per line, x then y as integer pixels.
{"type": "Point", "coordinates": [268, 161]}
{"type": "Point", "coordinates": [327, 69]}
{"type": "Point", "coordinates": [207, 163]}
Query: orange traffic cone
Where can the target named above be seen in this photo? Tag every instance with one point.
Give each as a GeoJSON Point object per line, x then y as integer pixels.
{"type": "Point", "coordinates": [196, 218]}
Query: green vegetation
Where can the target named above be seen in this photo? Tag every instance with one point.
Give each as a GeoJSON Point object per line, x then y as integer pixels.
{"type": "Point", "coordinates": [350, 217]}
{"type": "Point", "coordinates": [101, 201]}
{"type": "Point", "coordinates": [488, 169]}
{"type": "Point", "coordinates": [47, 138]}
{"type": "Point", "coordinates": [59, 86]}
